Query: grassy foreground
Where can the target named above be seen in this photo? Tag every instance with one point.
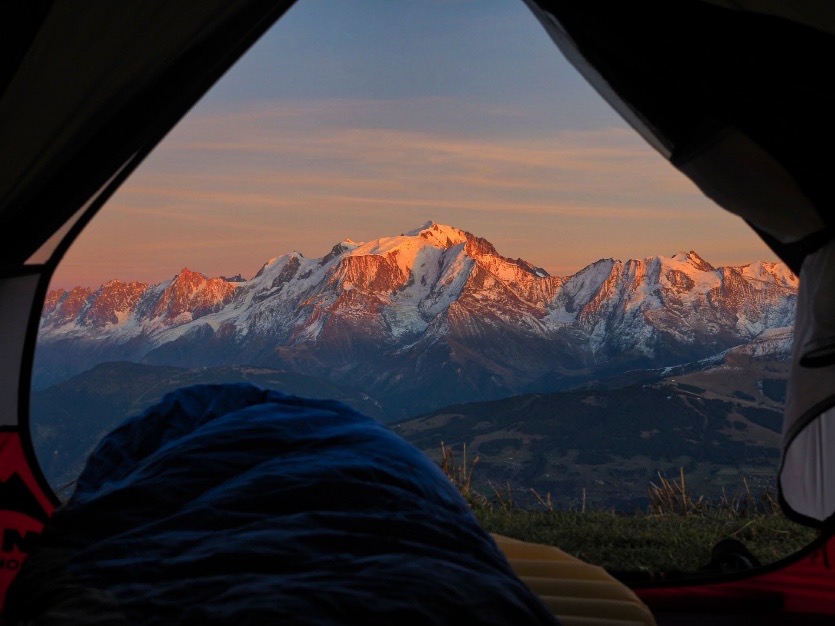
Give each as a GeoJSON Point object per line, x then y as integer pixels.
{"type": "Point", "coordinates": [676, 534]}
{"type": "Point", "coordinates": [647, 542]}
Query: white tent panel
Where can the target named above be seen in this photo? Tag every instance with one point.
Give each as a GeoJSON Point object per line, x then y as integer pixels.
{"type": "Point", "coordinates": [807, 478]}
{"type": "Point", "coordinates": [815, 345]}
{"type": "Point", "coordinates": [809, 469]}
{"type": "Point", "coordinates": [17, 296]}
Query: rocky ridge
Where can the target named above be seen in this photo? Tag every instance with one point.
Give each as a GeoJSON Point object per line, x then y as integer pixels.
{"type": "Point", "coordinates": [426, 318]}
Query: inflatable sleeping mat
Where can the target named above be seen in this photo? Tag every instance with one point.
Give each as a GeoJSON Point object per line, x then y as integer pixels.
{"type": "Point", "coordinates": [578, 593]}
{"type": "Point", "coordinates": [229, 504]}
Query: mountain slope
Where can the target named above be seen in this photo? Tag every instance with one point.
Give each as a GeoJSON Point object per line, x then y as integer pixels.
{"type": "Point", "coordinates": [605, 446]}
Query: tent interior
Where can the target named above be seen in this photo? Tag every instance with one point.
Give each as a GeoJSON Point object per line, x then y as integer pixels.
{"type": "Point", "coordinates": [86, 94]}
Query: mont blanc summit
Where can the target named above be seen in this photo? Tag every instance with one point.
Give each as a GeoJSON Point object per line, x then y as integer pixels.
{"type": "Point", "coordinates": [433, 316]}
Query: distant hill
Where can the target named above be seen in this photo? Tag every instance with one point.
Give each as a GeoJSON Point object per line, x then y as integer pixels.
{"type": "Point", "coordinates": [720, 423]}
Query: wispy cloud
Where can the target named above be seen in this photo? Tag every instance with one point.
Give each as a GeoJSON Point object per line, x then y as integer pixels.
{"type": "Point", "coordinates": [236, 189]}
{"type": "Point", "coordinates": [312, 153]}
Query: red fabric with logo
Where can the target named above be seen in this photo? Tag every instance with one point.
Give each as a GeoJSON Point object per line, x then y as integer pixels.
{"type": "Point", "coordinates": [24, 508]}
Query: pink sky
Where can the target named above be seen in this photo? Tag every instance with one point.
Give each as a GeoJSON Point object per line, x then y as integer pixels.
{"type": "Point", "coordinates": [503, 140]}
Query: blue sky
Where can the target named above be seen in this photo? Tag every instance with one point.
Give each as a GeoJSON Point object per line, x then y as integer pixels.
{"type": "Point", "coordinates": [364, 118]}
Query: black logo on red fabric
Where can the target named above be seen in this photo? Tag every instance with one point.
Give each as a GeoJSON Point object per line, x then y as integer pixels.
{"type": "Point", "coordinates": [16, 496]}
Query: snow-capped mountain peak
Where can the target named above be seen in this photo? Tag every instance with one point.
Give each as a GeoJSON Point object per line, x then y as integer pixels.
{"type": "Point", "coordinates": [692, 259]}
{"type": "Point", "coordinates": [436, 303]}
{"type": "Point", "coordinates": [191, 295]}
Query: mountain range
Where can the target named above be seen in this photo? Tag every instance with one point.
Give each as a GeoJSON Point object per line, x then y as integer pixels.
{"type": "Point", "coordinates": [425, 319]}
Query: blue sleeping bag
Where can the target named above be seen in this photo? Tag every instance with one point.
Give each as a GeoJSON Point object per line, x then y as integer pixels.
{"type": "Point", "coordinates": [229, 504]}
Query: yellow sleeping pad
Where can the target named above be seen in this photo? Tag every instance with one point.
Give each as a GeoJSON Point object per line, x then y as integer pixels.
{"type": "Point", "coordinates": [579, 594]}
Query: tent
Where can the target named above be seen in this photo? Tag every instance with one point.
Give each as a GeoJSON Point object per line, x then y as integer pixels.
{"type": "Point", "coordinates": [736, 94]}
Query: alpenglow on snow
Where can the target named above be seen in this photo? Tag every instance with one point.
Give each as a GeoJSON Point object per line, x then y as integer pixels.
{"type": "Point", "coordinates": [430, 317]}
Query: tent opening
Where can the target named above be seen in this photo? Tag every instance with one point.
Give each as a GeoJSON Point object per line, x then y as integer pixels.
{"type": "Point", "coordinates": [437, 194]}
